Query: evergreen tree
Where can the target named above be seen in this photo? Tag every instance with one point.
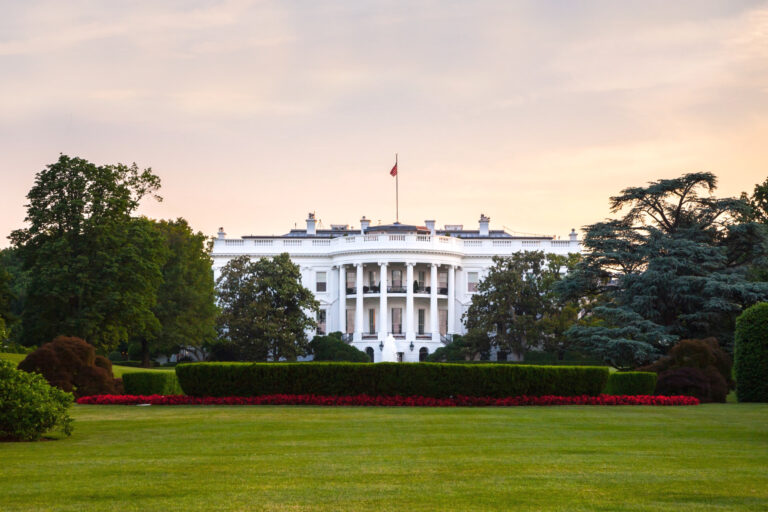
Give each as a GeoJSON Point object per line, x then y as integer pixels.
{"type": "Point", "coordinates": [674, 265]}
{"type": "Point", "coordinates": [264, 308]}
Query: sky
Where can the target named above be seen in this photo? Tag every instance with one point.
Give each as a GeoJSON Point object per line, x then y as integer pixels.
{"type": "Point", "coordinates": [255, 113]}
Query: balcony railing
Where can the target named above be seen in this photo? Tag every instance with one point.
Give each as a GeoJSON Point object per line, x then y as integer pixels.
{"type": "Point", "coordinates": [396, 289]}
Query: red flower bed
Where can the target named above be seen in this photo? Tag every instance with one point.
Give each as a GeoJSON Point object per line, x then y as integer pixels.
{"type": "Point", "coordinates": [388, 401]}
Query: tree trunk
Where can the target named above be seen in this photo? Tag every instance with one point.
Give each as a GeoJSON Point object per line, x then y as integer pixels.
{"type": "Point", "coordinates": [144, 354]}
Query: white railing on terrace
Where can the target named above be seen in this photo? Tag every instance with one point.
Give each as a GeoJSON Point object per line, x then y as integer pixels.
{"type": "Point", "coordinates": [397, 241]}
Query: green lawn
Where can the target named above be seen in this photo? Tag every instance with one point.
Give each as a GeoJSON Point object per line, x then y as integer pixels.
{"type": "Point", "coordinates": [710, 457]}
{"type": "Point", "coordinates": [118, 371]}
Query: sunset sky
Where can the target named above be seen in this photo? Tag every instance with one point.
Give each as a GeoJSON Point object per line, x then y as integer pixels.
{"type": "Point", "coordinates": [255, 113]}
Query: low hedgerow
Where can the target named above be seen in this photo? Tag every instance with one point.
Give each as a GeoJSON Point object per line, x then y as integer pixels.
{"type": "Point", "coordinates": [631, 383]}
{"type": "Point", "coordinates": [388, 401]}
{"type": "Point", "coordinates": [436, 380]}
{"type": "Point", "coordinates": [29, 406]}
{"type": "Point", "coordinates": [151, 383]}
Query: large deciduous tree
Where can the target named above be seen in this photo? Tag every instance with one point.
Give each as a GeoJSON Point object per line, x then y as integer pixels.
{"type": "Point", "coordinates": [94, 269]}
{"type": "Point", "coordinates": [674, 265]}
{"type": "Point", "coordinates": [185, 305]}
{"type": "Point", "coordinates": [264, 308]}
{"type": "Point", "coordinates": [515, 308]}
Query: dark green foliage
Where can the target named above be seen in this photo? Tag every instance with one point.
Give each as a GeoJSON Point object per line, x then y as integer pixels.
{"type": "Point", "coordinates": [751, 354]}
{"type": "Point", "coordinates": [94, 270]}
{"type": "Point", "coordinates": [72, 365]}
{"type": "Point", "coordinates": [134, 351]}
{"type": "Point", "coordinates": [697, 368]}
{"type": "Point", "coordinates": [515, 307]}
{"type": "Point", "coordinates": [631, 383]}
{"type": "Point", "coordinates": [13, 296]}
{"type": "Point", "coordinates": [7, 318]}
{"type": "Point", "coordinates": [29, 407]}
{"type": "Point", "coordinates": [185, 300]}
{"type": "Point", "coordinates": [676, 265]}
{"type": "Point", "coordinates": [151, 383]}
{"type": "Point", "coordinates": [224, 351]}
{"type": "Point", "coordinates": [115, 356]}
{"type": "Point", "coordinates": [388, 379]}
{"type": "Point", "coordinates": [264, 308]}
{"type": "Point", "coordinates": [331, 348]}
{"type": "Point", "coordinates": [706, 384]}
{"type": "Point", "coordinates": [473, 346]}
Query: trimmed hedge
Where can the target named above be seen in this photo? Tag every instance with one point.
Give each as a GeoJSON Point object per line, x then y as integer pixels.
{"type": "Point", "coordinates": [436, 380]}
{"type": "Point", "coordinates": [750, 353]}
{"type": "Point", "coordinates": [151, 383]}
{"type": "Point", "coordinates": [631, 383]}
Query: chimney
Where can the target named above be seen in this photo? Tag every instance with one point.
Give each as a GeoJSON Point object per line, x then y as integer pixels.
{"type": "Point", "coordinates": [364, 223]}
{"type": "Point", "coordinates": [311, 224]}
{"type": "Point", "coordinates": [221, 234]}
{"type": "Point", "coordinates": [484, 225]}
{"type": "Point", "coordinates": [574, 237]}
{"type": "Point", "coordinates": [431, 226]}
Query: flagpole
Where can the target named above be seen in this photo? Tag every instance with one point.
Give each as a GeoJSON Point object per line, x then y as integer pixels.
{"type": "Point", "coordinates": [397, 193]}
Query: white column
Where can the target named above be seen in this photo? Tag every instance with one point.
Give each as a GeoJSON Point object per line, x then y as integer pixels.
{"type": "Point", "coordinates": [433, 304]}
{"type": "Point", "coordinates": [383, 320]}
{"type": "Point", "coordinates": [358, 336]}
{"type": "Point", "coordinates": [451, 299]}
{"type": "Point", "coordinates": [410, 333]}
{"type": "Point", "coordinates": [342, 299]}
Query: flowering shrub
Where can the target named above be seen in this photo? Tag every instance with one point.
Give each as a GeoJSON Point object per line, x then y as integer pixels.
{"type": "Point", "coordinates": [388, 401]}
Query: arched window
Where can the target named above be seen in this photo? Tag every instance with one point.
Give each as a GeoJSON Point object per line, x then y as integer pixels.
{"type": "Point", "coordinates": [369, 351]}
{"type": "Point", "coordinates": [423, 353]}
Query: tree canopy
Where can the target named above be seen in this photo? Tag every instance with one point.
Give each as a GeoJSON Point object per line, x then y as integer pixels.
{"type": "Point", "coordinates": [94, 270]}
{"type": "Point", "coordinates": [515, 307]}
{"type": "Point", "coordinates": [264, 308]}
{"type": "Point", "coordinates": [675, 264]}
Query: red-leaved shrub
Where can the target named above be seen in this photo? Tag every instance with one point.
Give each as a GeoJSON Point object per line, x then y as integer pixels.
{"type": "Point", "coordinates": [72, 364]}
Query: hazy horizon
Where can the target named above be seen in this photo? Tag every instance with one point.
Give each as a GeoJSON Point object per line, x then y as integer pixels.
{"type": "Point", "coordinates": [255, 113]}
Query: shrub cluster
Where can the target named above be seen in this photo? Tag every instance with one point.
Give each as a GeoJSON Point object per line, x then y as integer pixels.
{"type": "Point", "coordinates": [694, 367]}
{"type": "Point", "coordinates": [751, 354]}
{"type": "Point", "coordinates": [71, 364]}
{"type": "Point", "coordinates": [151, 383]}
{"type": "Point", "coordinates": [332, 348]}
{"type": "Point", "coordinates": [389, 401]}
{"type": "Point", "coordinates": [29, 407]}
{"type": "Point", "coordinates": [435, 380]}
{"type": "Point", "coordinates": [631, 383]}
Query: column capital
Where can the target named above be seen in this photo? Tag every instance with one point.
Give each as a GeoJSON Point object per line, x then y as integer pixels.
{"type": "Point", "coordinates": [411, 264]}
{"type": "Point", "coordinates": [434, 265]}
{"type": "Point", "coordinates": [383, 263]}
{"type": "Point", "coordinates": [358, 265]}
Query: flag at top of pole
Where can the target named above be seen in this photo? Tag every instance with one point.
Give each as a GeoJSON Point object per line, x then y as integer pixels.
{"type": "Point", "coordinates": [393, 172]}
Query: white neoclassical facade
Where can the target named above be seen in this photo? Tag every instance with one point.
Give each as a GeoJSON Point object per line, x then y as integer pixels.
{"type": "Point", "coordinates": [411, 282]}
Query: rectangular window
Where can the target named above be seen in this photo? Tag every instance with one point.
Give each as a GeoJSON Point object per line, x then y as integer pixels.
{"type": "Point", "coordinates": [397, 279]}
{"type": "Point", "coordinates": [421, 281]}
{"type": "Point", "coordinates": [472, 279]}
{"type": "Point", "coordinates": [351, 282]}
{"type": "Point", "coordinates": [321, 322]}
{"type": "Point", "coordinates": [443, 319]}
{"type": "Point", "coordinates": [422, 315]}
{"type": "Point", "coordinates": [371, 278]}
{"type": "Point", "coordinates": [350, 321]}
{"type": "Point", "coordinates": [397, 320]}
{"type": "Point", "coordinates": [371, 321]}
{"type": "Point", "coordinates": [442, 283]}
{"type": "Point", "coordinates": [320, 282]}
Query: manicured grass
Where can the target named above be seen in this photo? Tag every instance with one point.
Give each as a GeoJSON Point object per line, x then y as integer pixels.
{"type": "Point", "coordinates": [14, 358]}
{"type": "Point", "coordinates": [118, 371]}
{"type": "Point", "coordinates": [709, 457]}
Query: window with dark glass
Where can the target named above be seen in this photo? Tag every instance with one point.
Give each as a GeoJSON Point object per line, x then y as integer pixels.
{"type": "Point", "coordinates": [371, 321]}
{"type": "Point", "coordinates": [321, 322]}
{"type": "Point", "coordinates": [397, 320]}
{"type": "Point", "coordinates": [423, 353]}
{"type": "Point", "coordinates": [320, 282]}
{"type": "Point", "coordinates": [422, 315]}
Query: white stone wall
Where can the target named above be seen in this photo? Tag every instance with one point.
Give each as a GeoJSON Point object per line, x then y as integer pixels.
{"type": "Point", "coordinates": [396, 251]}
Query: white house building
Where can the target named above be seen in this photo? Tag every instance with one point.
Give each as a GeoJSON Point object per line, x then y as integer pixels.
{"type": "Point", "coordinates": [411, 282]}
